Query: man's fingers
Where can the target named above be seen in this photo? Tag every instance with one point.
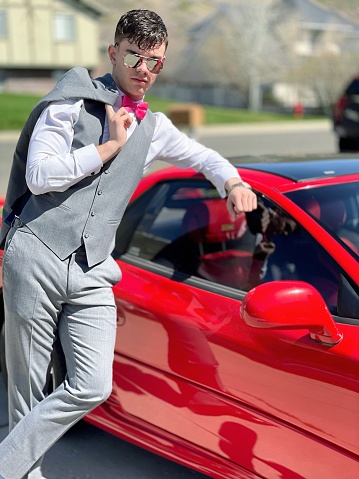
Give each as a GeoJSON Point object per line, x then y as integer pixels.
{"type": "Point", "coordinates": [109, 110]}
{"type": "Point", "coordinates": [121, 115]}
{"type": "Point", "coordinates": [243, 200]}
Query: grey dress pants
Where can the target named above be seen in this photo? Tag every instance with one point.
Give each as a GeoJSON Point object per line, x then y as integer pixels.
{"type": "Point", "coordinates": [44, 295]}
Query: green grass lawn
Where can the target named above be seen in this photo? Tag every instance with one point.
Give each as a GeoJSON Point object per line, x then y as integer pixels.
{"type": "Point", "coordinates": [15, 109]}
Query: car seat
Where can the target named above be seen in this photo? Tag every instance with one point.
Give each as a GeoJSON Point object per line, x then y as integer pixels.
{"type": "Point", "coordinates": [209, 225]}
{"type": "Point", "coordinates": [332, 213]}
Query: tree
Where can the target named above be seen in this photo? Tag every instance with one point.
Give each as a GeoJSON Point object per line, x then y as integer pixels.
{"type": "Point", "coordinates": [243, 47]}
{"type": "Point", "coordinates": [260, 40]}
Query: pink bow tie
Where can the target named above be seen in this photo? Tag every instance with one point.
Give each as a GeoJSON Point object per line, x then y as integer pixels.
{"type": "Point", "coordinates": [139, 108]}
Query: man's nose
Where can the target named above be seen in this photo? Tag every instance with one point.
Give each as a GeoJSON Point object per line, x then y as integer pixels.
{"type": "Point", "coordinates": [143, 65]}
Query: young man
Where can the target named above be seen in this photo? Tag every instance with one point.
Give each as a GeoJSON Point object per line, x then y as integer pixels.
{"type": "Point", "coordinates": [78, 160]}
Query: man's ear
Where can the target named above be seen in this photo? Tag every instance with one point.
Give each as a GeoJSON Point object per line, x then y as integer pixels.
{"type": "Point", "coordinates": [112, 54]}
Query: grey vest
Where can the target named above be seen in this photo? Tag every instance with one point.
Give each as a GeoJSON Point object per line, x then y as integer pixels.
{"type": "Point", "coordinates": [89, 212]}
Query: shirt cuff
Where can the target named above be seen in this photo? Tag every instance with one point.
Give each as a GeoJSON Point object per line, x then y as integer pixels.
{"type": "Point", "coordinates": [221, 180]}
{"type": "Point", "coordinates": [88, 160]}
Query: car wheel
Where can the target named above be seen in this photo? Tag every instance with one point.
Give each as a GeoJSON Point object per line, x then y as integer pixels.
{"type": "Point", "coordinates": [348, 144]}
{"type": "Point", "coordinates": [344, 145]}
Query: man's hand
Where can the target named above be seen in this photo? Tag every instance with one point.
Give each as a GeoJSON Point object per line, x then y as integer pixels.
{"type": "Point", "coordinates": [258, 220]}
{"type": "Point", "coordinates": [118, 123]}
{"type": "Point", "coordinates": [240, 199]}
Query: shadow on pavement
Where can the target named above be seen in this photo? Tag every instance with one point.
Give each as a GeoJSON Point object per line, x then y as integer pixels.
{"type": "Point", "coordinates": [86, 452]}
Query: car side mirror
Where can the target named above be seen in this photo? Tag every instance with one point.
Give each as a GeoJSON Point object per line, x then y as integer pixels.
{"type": "Point", "coordinates": [290, 305]}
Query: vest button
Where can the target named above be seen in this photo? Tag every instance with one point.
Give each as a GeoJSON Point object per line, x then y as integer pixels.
{"type": "Point", "coordinates": [92, 173]}
{"type": "Point", "coordinates": [92, 213]}
{"type": "Point", "coordinates": [86, 235]}
{"type": "Point", "coordinates": [106, 172]}
{"type": "Point", "coordinates": [99, 192]}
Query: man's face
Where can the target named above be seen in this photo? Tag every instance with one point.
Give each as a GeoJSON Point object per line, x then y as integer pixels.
{"type": "Point", "coordinates": [134, 82]}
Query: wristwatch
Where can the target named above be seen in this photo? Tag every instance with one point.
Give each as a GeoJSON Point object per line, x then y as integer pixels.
{"type": "Point", "coordinates": [240, 183]}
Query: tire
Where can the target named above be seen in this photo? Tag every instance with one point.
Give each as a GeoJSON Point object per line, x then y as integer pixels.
{"type": "Point", "coordinates": [344, 145]}
{"type": "Point", "coordinates": [347, 145]}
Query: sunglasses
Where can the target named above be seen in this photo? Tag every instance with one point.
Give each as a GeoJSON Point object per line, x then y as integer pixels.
{"type": "Point", "coordinates": [134, 60]}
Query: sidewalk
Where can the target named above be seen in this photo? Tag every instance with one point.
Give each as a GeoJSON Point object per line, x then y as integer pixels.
{"type": "Point", "coordinates": [265, 127]}
{"type": "Point", "coordinates": [9, 136]}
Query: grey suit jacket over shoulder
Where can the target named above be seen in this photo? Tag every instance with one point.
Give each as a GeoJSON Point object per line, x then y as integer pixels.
{"type": "Point", "coordinates": [89, 212]}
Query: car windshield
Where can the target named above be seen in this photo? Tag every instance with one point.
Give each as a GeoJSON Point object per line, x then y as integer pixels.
{"type": "Point", "coordinates": [336, 208]}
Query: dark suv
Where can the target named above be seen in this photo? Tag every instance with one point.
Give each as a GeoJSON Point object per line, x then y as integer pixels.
{"type": "Point", "coordinates": [346, 117]}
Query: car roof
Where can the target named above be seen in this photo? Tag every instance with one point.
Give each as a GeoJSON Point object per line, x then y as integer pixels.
{"type": "Point", "coordinates": [303, 169]}
{"type": "Point", "coordinates": [283, 174]}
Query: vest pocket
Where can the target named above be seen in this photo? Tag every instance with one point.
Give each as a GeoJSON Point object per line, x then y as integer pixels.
{"type": "Point", "coordinates": [54, 201]}
{"type": "Point", "coordinates": [115, 222]}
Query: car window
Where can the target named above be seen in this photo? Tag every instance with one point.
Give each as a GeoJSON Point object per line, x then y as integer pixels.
{"type": "Point", "coordinates": [185, 226]}
{"type": "Point", "coordinates": [153, 222]}
{"type": "Point", "coordinates": [293, 254]}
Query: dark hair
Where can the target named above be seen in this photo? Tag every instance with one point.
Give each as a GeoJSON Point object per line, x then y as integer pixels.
{"type": "Point", "coordinates": [143, 28]}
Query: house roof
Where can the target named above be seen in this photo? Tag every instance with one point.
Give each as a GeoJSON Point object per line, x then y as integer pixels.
{"type": "Point", "coordinates": [313, 15]}
{"type": "Point", "coordinates": [94, 6]}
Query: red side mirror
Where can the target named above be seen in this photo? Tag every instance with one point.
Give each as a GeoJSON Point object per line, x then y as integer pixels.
{"type": "Point", "coordinates": [290, 305]}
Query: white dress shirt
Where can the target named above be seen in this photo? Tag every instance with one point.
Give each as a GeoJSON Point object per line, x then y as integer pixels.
{"type": "Point", "coordinates": [51, 166]}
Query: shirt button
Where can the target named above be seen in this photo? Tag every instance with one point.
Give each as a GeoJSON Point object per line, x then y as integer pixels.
{"type": "Point", "coordinates": [86, 235]}
{"type": "Point", "coordinates": [92, 173]}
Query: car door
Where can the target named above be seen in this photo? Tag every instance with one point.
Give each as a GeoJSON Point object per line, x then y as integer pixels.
{"type": "Point", "coordinates": [273, 402]}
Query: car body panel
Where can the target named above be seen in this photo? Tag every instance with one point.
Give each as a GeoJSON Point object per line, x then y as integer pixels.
{"type": "Point", "coordinates": [264, 402]}
{"type": "Point", "coordinates": [179, 368]}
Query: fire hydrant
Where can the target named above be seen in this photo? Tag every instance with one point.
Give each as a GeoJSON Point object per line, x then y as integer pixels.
{"type": "Point", "coordinates": [298, 110]}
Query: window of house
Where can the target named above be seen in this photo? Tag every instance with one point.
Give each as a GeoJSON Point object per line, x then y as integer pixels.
{"type": "Point", "coordinates": [64, 27]}
{"type": "Point", "coordinates": [315, 39]}
{"type": "Point", "coordinates": [3, 24]}
{"type": "Point", "coordinates": [2, 79]}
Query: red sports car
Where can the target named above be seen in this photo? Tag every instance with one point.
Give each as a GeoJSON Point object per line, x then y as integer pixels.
{"type": "Point", "coordinates": [238, 341]}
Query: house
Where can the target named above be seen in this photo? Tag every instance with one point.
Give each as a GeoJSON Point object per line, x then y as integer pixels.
{"type": "Point", "coordinates": [325, 38]}
{"type": "Point", "coordinates": [41, 39]}
{"type": "Point", "coordinates": [317, 22]}
{"type": "Point", "coordinates": [247, 50]}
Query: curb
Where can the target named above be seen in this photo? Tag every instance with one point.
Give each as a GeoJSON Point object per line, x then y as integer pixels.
{"type": "Point", "coordinates": [9, 135]}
